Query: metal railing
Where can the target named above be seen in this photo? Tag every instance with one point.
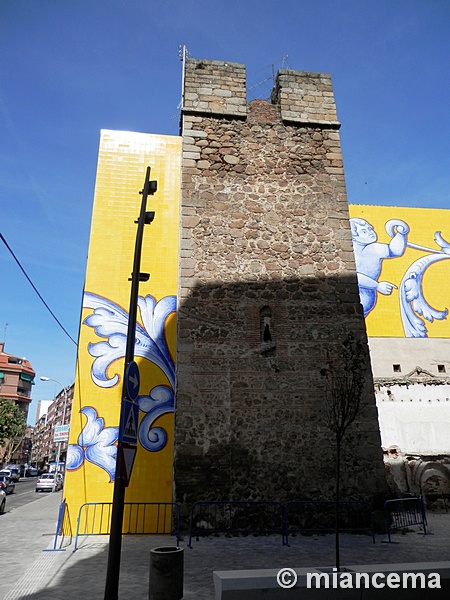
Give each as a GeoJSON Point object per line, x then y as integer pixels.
{"type": "Point", "coordinates": [236, 517]}
{"type": "Point", "coordinates": [140, 518]}
{"type": "Point", "coordinates": [244, 517]}
{"type": "Point", "coordinates": [319, 516]}
{"type": "Point", "coordinates": [404, 512]}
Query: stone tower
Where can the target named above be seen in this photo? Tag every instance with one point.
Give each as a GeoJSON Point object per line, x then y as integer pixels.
{"type": "Point", "coordinates": [267, 284]}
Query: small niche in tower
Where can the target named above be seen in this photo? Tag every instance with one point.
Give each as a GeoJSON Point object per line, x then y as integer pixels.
{"type": "Point", "coordinates": [266, 331]}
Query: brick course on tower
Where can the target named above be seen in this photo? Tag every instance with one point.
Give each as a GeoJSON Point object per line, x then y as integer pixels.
{"type": "Point", "coordinates": [267, 284]}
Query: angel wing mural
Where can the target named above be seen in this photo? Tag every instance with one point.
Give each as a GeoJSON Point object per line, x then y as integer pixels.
{"type": "Point", "coordinates": [97, 443]}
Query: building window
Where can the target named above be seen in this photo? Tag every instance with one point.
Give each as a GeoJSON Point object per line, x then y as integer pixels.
{"type": "Point", "coordinates": [441, 368]}
{"type": "Point", "coordinates": [397, 368]}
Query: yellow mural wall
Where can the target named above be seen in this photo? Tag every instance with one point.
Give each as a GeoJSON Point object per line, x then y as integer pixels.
{"type": "Point", "coordinates": [423, 267]}
{"type": "Point", "coordinates": [122, 163]}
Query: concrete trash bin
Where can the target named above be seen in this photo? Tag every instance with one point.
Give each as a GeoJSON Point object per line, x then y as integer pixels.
{"type": "Point", "coordinates": [166, 573]}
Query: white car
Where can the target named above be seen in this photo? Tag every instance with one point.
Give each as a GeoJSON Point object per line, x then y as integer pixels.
{"type": "Point", "coordinates": [2, 502]}
{"type": "Point", "coordinates": [12, 472]}
{"type": "Point", "coordinates": [47, 482]}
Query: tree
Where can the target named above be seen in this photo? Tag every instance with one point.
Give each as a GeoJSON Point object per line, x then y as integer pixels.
{"type": "Point", "coordinates": [345, 375]}
{"type": "Point", "coordinates": [12, 427]}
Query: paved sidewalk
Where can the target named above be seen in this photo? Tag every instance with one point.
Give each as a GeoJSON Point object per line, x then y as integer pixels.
{"type": "Point", "coordinates": [24, 532]}
{"type": "Point", "coordinates": [35, 574]}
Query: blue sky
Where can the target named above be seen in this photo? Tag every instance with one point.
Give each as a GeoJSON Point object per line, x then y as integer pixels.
{"type": "Point", "coordinates": [70, 69]}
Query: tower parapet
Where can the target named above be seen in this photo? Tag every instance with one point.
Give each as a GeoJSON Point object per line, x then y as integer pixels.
{"type": "Point", "coordinates": [305, 98]}
{"type": "Point", "coordinates": [215, 87]}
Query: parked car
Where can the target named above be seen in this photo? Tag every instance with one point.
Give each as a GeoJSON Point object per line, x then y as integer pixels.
{"type": "Point", "coordinates": [47, 482]}
{"type": "Point", "coordinates": [31, 472]}
{"type": "Point", "coordinates": [2, 502]}
{"type": "Point", "coordinates": [6, 484]}
{"type": "Point", "coordinates": [6, 473]}
{"type": "Point", "coordinates": [12, 472]}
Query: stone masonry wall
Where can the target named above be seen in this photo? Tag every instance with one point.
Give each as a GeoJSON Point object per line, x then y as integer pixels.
{"type": "Point", "coordinates": [305, 98]}
{"type": "Point", "coordinates": [215, 87]}
{"type": "Point", "coordinates": [267, 283]}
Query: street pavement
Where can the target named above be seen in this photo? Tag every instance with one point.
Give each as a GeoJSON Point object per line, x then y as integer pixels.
{"type": "Point", "coordinates": [32, 570]}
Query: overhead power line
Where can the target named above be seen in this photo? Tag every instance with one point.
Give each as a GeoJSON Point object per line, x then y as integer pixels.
{"type": "Point", "coordinates": [37, 291]}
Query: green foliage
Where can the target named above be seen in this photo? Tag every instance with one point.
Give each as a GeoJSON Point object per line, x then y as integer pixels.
{"type": "Point", "coordinates": [12, 422]}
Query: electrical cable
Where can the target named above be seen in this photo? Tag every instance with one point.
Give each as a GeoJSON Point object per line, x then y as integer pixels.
{"type": "Point", "coordinates": [36, 290]}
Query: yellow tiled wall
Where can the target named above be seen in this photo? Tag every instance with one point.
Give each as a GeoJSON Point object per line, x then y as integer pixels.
{"type": "Point", "coordinates": [122, 163]}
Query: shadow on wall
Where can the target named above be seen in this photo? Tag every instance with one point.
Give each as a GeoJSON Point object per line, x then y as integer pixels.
{"type": "Point", "coordinates": [249, 418]}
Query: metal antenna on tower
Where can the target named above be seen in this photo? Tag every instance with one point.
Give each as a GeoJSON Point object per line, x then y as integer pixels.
{"type": "Point", "coordinates": [183, 54]}
{"type": "Point", "coordinates": [282, 63]}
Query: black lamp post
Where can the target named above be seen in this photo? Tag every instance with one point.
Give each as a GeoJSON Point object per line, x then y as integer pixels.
{"type": "Point", "coordinates": [115, 537]}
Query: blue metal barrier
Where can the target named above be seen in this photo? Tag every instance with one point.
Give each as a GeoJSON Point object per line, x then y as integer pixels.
{"type": "Point", "coordinates": [60, 528]}
{"type": "Point", "coordinates": [140, 518]}
{"type": "Point", "coordinates": [404, 512]}
{"type": "Point", "coordinates": [235, 517]}
{"type": "Point", "coordinates": [319, 516]}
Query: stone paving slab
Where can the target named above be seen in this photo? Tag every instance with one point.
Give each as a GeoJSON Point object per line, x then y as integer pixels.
{"type": "Point", "coordinates": [24, 532]}
{"type": "Point", "coordinates": [68, 575]}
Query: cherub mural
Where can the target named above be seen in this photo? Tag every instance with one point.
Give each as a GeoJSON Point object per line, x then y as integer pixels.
{"type": "Point", "coordinates": [369, 256]}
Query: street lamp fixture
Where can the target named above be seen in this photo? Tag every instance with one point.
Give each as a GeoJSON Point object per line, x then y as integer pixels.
{"type": "Point", "coordinates": [63, 418]}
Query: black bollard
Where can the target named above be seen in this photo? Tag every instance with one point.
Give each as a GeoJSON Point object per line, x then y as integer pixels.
{"type": "Point", "coordinates": [166, 573]}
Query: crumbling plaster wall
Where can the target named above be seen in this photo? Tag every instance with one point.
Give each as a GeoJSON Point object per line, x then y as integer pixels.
{"type": "Point", "coordinates": [414, 417]}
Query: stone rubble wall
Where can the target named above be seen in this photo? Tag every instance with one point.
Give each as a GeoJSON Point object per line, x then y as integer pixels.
{"type": "Point", "coordinates": [419, 475]}
{"type": "Point", "coordinates": [267, 284]}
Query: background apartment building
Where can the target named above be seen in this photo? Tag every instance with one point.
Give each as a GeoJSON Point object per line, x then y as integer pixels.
{"type": "Point", "coordinates": [50, 414]}
{"type": "Point", "coordinates": [16, 381]}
